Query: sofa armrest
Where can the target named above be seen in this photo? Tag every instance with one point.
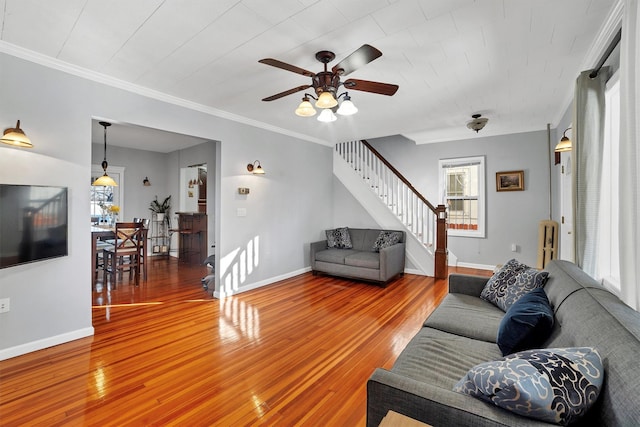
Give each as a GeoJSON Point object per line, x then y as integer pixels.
{"type": "Point", "coordinates": [430, 404]}
{"type": "Point", "coordinates": [392, 260]}
{"type": "Point", "coordinates": [316, 247]}
{"type": "Point", "coordinates": [466, 284]}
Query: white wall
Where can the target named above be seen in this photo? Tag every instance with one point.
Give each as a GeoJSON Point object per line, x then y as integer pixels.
{"type": "Point", "coordinates": [512, 217]}
{"type": "Point", "coordinates": [51, 300]}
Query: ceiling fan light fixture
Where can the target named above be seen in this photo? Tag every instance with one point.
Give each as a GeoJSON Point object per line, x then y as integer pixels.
{"type": "Point", "coordinates": [327, 116]}
{"type": "Point", "coordinates": [326, 100]}
{"type": "Point", "coordinates": [347, 108]}
{"type": "Point", "coordinates": [305, 109]}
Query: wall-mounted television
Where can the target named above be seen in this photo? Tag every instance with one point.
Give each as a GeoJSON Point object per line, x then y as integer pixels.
{"type": "Point", "coordinates": [33, 223]}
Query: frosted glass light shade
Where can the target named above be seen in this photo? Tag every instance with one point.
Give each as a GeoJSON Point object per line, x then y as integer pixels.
{"type": "Point", "coordinates": [326, 100]}
{"type": "Point", "coordinates": [563, 145]}
{"type": "Point", "coordinates": [347, 108]}
{"type": "Point", "coordinates": [327, 116]}
{"type": "Point", "coordinates": [305, 109]}
{"type": "Point", "coordinates": [16, 137]}
{"type": "Point", "coordinates": [105, 181]}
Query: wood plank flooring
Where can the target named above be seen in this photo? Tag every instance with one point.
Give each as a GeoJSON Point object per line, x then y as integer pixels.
{"type": "Point", "coordinates": [298, 352]}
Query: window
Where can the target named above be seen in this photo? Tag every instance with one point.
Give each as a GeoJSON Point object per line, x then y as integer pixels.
{"type": "Point", "coordinates": [608, 268]}
{"type": "Point", "coordinates": [462, 190]}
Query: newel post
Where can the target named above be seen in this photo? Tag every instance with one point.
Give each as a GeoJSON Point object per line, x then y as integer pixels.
{"type": "Point", "coordinates": [441, 267]}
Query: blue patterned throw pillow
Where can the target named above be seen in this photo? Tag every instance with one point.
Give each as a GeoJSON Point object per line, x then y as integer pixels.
{"type": "Point", "coordinates": [339, 238]}
{"type": "Point", "coordinates": [386, 239]}
{"type": "Point", "coordinates": [556, 385]}
{"type": "Point", "coordinates": [511, 282]}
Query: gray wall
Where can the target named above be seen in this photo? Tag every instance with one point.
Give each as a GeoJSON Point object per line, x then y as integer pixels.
{"type": "Point", "coordinates": [512, 217]}
{"type": "Point", "coordinates": [51, 300]}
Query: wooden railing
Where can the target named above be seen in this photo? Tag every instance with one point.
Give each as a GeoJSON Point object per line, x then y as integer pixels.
{"type": "Point", "coordinates": [426, 222]}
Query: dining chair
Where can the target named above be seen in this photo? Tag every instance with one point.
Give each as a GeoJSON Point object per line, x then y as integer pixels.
{"type": "Point", "coordinates": [129, 237]}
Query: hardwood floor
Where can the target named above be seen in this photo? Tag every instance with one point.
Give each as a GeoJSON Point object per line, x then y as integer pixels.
{"type": "Point", "coordinates": [298, 352]}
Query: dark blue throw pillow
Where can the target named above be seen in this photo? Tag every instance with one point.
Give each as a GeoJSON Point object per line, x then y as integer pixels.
{"type": "Point", "coordinates": [527, 324]}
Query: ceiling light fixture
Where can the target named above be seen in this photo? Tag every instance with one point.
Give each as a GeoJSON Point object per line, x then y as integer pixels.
{"type": "Point", "coordinates": [326, 100]}
{"type": "Point", "coordinates": [105, 180]}
{"type": "Point", "coordinates": [478, 122]}
{"type": "Point", "coordinates": [564, 144]}
{"type": "Point", "coordinates": [254, 168]}
{"type": "Point", "coordinates": [16, 137]}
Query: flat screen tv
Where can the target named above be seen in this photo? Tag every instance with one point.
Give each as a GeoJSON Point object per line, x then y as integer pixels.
{"type": "Point", "coordinates": [33, 223]}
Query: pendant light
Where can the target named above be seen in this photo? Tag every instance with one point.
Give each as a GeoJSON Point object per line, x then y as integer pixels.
{"type": "Point", "coordinates": [16, 137]}
{"type": "Point", "coordinates": [105, 180]}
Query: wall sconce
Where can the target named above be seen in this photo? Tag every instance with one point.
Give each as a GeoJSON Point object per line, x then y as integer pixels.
{"type": "Point", "coordinates": [255, 168]}
{"type": "Point", "coordinates": [564, 144]}
{"type": "Point", "coordinates": [146, 182]}
{"type": "Point", "coordinates": [16, 137]}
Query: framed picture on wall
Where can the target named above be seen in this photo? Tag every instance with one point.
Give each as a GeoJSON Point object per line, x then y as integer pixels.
{"type": "Point", "coordinates": [510, 181]}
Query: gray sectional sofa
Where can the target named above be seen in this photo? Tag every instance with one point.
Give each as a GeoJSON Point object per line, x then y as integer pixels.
{"type": "Point", "coordinates": [360, 261]}
{"type": "Point", "coordinates": [461, 333]}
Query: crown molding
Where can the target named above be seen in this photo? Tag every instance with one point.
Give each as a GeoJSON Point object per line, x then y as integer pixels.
{"type": "Point", "coordinates": [56, 64]}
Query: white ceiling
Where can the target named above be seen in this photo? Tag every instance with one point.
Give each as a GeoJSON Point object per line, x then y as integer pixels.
{"type": "Point", "coordinates": [513, 61]}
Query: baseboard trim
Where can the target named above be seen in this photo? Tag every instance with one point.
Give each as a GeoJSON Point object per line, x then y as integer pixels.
{"type": "Point", "coordinates": [29, 347]}
{"type": "Point", "coordinates": [415, 271]}
{"type": "Point", "coordinates": [477, 266]}
{"type": "Point", "coordinates": [227, 293]}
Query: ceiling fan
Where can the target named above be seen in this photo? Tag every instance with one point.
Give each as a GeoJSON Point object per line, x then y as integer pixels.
{"type": "Point", "coordinates": [327, 83]}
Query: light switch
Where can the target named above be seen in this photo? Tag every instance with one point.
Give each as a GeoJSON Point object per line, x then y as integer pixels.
{"type": "Point", "coordinates": [242, 190]}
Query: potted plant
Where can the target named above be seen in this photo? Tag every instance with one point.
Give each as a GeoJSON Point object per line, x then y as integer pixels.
{"type": "Point", "coordinates": [162, 210]}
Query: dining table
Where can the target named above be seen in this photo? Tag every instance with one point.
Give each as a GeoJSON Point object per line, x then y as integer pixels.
{"type": "Point", "coordinates": [98, 232]}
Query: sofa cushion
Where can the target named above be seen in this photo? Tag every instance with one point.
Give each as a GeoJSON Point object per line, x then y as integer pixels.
{"type": "Point", "coordinates": [527, 324]}
{"type": "Point", "coordinates": [335, 256]}
{"type": "Point", "coordinates": [481, 318]}
{"type": "Point", "coordinates": [339, 238]}
{"type": "Point", "coordinates": [386, 239]}
{"type": "Point", "coordinates": [511, 282]}
{"type": "Point", "coordinates": [554, 385]}
{"type": "Point", "coordinates": [363, 259]}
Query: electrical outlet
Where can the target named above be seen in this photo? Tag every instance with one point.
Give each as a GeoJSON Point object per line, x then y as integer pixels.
{"type": "Point", "coordinates": [5, 305]}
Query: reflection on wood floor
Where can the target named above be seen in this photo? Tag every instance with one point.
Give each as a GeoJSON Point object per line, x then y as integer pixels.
{"type": "Point", "coordinates": [297, 352]}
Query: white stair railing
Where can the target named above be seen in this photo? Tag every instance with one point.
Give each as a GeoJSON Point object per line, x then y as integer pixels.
{"type": "Point", "coordinates": [425, 221]}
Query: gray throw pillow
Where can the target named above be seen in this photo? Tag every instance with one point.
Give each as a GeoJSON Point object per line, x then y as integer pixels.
{"type": "Point", "coordinates": [511, 282]}
{"type": "Point", "coordinates": [386, 239]}
{"type": "Point", "coordinates": [556, 385]}
{"type": "Point", "coordinates": [339, 238]}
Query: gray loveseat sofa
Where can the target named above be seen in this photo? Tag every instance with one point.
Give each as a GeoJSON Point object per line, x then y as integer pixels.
{"type": "Point", "coordinates": [361, 261]}
{"type": "Point", "coordinates": [461, 333]}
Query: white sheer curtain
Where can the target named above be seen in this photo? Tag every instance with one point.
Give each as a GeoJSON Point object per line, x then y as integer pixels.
{"type": "Point", "coordinates": [588, 133]}
{"type": "Point", "coordinates": [629, 155]}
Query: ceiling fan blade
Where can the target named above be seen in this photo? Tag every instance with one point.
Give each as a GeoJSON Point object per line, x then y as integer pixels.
{"type": "Point", "coordinates": [373, 87]}
{"type": "Point", "coordinates": [286, 92]}
{"type": "Point", "coordinates": [362, 56]}
{"type": "Point", "coordinates": [285, 66]}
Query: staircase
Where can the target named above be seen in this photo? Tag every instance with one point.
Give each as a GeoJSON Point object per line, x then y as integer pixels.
{"type": "Point", "coordinates": [394, 204]}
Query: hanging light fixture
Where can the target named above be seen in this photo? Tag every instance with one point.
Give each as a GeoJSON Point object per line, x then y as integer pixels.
{"type": "Point", "coordinates": [478, 123]}
{"type": "Point", "coordinates": [564, 144]}
{"type": "Point", "coordinates": [16, 137]}
{"type": "Point", "coordinates": [346, 107]}
{"type": "Point", "coordinates": [105, 180]}
{"type": "Point", "coordinates": [305, 109]}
